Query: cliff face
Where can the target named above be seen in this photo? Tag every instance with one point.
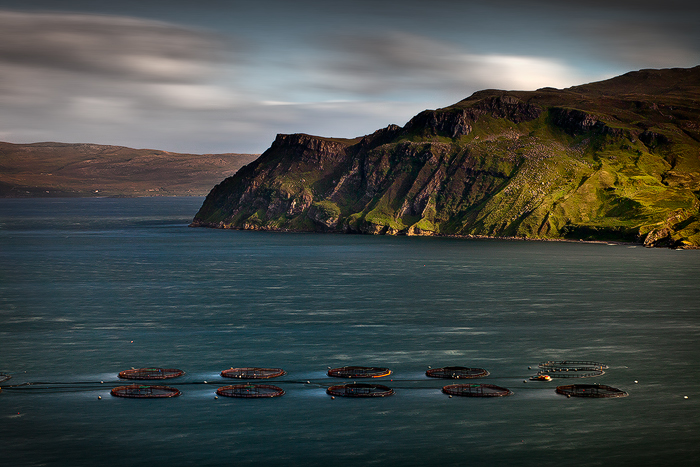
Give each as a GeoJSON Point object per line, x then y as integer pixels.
{"type": "Point", "coordinates": [615, 160]}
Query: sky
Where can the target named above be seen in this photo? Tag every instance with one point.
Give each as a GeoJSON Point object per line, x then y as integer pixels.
{"type": "Point", "coordinates": [215, 76]}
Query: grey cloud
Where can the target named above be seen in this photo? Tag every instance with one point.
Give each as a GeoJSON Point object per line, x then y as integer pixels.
{"type": "Point", "coordinates": [635, 43]}
{"type": "Point", "coordinates": [93, 78]}
{"type": "Point", "coordinates": [376, 63]}
{"type": "Point", "coordinates": [622, 34]}
{"type": "Point", "coordinates": [117, 47]}
{"type": "Point", "coordinates": [389, 63]}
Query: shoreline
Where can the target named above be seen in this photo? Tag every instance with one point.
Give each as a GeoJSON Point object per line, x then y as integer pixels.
{"type": "Point", "coordinates": [465, 237]}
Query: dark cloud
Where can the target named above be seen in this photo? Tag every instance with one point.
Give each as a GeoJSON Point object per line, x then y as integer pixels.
{"type": "Point", "coordinates": [641, 43]}
{"type": "Point", "coordinates": [390, 63]}
{"type": "Point", "coordinates": [618, 34]}
{"type": "Point", "coordinates": [123, 48]}
{"type": "Point", "coordinates": [85, 77]}
{"type": "Point", "coordinates": [379, 62]}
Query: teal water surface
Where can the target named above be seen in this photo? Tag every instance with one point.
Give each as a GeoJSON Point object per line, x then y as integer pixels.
{"type": "Point", "coordinates": [90, 287]}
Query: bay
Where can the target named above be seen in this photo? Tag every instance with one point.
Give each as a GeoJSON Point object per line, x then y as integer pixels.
{"type": "Point", "coordinates": [90, 287]}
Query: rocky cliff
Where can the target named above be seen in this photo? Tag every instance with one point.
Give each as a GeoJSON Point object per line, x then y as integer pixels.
{"type": "Point", "coordinates": [613, 160]}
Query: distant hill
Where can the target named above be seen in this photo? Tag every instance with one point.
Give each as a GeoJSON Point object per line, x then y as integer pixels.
{"type": "Point", "coordinates": [616, 160]}
{"type": "Point", "coordinates": [59, 169]}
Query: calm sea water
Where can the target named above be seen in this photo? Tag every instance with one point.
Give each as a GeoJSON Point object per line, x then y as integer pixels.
{"type": "Point", "coordinates": [90, 287]}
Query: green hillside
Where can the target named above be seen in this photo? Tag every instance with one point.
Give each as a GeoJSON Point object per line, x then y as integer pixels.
{"type": "Point", "coordinates": [617, 160]}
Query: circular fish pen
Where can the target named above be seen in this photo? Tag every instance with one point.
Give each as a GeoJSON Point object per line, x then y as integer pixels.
{"type": "Point", "coordinates": [571, 369]}
{"type": "Point", "coordinates": [359, 372]}
{"type": "Point", "coordinates": [250, 391]}
{"type": "Point", "coordinates": [151, 373]}
{"type": "Point", "coordinates": [138, 391]}
{"type": "Point", "coordinates": [476, 390]}
{"type": "Point", "coordinates": [253, 373]}
{"type": "Point", "coordinates": [4, 377]}
{"type": "Point", "coordinates": [573, 365]}
{"type": "Point", "coordinates": [360, 390]}
{"type": "Point", "coordinates": [567, 373]}
{"type": "Point", "coordinates": [590, 390]}
{"type": "Point", "coordinates": [456, 372]}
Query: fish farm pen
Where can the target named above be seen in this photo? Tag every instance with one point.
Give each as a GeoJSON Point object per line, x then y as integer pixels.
{"type": "Point", "coordinates": [253, 373]}
{"type": "Point", "coordinates": [456, 372]}
{"type": "Point", "coordinates": [590, 390]}
{"type": "Point", "coordinates": [4, 377]}
{"type": "Point", "coordinates": [137, 391]}
{"type": "Point", "coordinates": [151, 373]}
{"type": "Point", "coordinates": [571, 364]}
{"type": "Point", "coordinates": [250, 391]}
{"type": "Point", "coordinates": [571, 369]}
{"type": "Point", "coordinates": [358, 372]}
{"type": "Point", "coordinates": [476, 390]}
{"type": "Point", "coordinates": [360, 390]}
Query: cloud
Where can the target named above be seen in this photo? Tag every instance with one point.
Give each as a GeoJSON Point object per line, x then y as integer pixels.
{"type": "Point", "coordinates": [644, 43]}
{"type": "Point", "coordinates": [518, 73]}
{"type": "Point", "coordinates": [117, 80]}
{"type": "Point", "coordinates": [619, 35]}
{"type": "Point", "coordinates": [391, 63]}
{"type": "Point", "coordinates": [80, 65]}
{"type": "Point", "coordinates": [116, 47]}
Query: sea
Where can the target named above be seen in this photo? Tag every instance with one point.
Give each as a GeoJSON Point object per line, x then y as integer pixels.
{"type": "Point", "coordinates": [91, 287]}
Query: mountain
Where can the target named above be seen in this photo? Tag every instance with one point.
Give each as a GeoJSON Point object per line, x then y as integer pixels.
{"type": "Point", "coordinates": [616, 160]}
{"type": "Point", "coordinates": [59, 169]}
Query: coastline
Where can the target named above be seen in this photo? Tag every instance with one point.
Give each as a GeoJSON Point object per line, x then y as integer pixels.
{"type": "Point", "coordinates": [221, 226]}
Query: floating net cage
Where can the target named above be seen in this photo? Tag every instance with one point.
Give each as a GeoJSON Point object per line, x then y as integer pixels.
{"type": "Point", "coordinates": [151, 373]}
{"type": "Point", "coordinates": [144, 391]}
{"type": "Point", "coordinates": [359, 372]}
{"type": "Point", "coordinates": [571, 369]}
{"type": "Point", "coordinates": [253, 373]}
{"type": "Point", "coordinates": [250, 391]}
{"type": "Point", "coordinates": [360, 390]}
{"type": "Point", "coordinates": [590, 390]}
{"type": "Point", "coordinates": [569, 373]}
{"type": "Point", "coordinates": [476, 390]}
{"type": "Point", "coordinates": [4, 377]}
{"type": "Point", "coordinates": [456, 372]}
